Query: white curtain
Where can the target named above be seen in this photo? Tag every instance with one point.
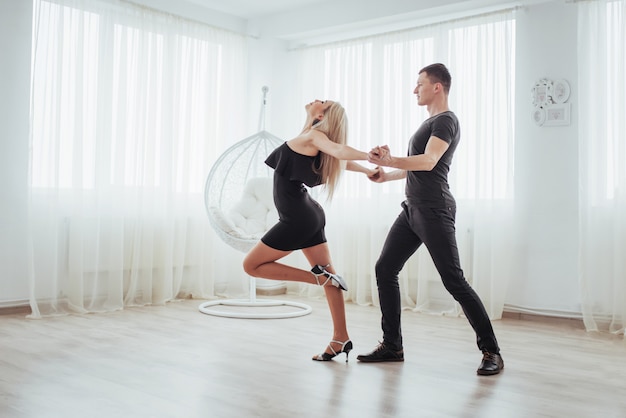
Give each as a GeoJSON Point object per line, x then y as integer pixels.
{"type": "Point", "coordinates": [130, 108]}
{"type": "Point", "coordinates": [602, 152]}
{"type": "Point", "coordinates": [374, 79]}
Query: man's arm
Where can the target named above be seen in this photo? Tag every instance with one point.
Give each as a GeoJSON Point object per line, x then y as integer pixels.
{"type": "Point", "coordinates": [435, 148]}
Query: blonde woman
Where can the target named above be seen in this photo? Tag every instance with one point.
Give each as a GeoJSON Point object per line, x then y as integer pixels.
{"type": "Point", "coordinates": [310, 159]}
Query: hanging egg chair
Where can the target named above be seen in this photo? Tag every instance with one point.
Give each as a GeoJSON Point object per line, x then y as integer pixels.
{"type": "Point", "coordinates": [240, 207]}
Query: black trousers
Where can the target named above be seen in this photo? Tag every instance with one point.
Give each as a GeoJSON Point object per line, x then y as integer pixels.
{"type": "Point", "coordinates": [434, 227]}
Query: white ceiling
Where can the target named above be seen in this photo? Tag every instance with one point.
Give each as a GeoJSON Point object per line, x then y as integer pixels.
{"type": "Point", "coordinates": [250, 9]}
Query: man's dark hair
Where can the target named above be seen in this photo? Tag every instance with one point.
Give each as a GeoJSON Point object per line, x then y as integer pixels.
{"type": "Point", "coordinates": [438, 73]}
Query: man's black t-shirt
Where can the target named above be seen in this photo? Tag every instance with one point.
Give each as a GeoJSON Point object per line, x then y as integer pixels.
{"type": "Point", "coordinates": [431, 188]}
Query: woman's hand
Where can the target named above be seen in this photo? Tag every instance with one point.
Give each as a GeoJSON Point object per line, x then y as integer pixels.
{"type": "Point", "coordinates": [377, 175]}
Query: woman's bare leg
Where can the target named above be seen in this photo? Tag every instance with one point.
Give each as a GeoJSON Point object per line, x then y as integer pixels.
{"type": "Point", "coordinates": [320, 255]}
{"type": "Point", "coordinates": [261, 262]}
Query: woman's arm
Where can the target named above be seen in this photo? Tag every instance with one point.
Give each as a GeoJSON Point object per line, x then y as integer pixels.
{"type": "Point", "coordinates": [342, 152]}
{"type": "Point", "coordinates": [382, 176]}
{"type": "Point", "coordinates": [352, 166]}
{"type": "Point", "coordinates": [372, 173]}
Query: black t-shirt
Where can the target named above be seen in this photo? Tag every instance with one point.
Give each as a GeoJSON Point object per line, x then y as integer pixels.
{"type": "Point", "coordinates": [431, 188]}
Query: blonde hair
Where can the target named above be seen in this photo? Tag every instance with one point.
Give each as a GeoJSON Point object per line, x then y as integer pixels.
{"type": "Point", "coordinates": [335, 127]}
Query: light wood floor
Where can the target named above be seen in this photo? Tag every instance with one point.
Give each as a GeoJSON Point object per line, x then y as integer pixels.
{"type": "Point", "coordinates": [173, 361]}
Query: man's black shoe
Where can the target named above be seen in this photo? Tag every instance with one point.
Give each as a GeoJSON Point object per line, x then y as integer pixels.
{"type": "Point", "coordinates": [382, 353]}
{"type": "Point", "coordinates": [492, 364]}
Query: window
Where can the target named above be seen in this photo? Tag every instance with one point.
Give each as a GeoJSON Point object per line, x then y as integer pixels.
{"type": "Point", "coordinates": [374, 79]}
{"type": "Point", "coordinates": [125, 100]}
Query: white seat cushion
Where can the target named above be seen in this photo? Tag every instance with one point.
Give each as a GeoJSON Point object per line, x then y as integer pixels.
{"type": "Point", "coordinates": [253, 214]}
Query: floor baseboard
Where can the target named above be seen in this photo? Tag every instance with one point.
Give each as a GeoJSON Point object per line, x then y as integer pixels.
{"type": "Point", "coordinates": [570, 322]}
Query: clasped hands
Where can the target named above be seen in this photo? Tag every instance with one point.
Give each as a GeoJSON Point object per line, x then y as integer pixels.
{"type": "Point", "coordinates": [379, 155]}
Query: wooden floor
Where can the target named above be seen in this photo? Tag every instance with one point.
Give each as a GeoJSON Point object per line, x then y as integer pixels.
{"type": "Point", "coordinates": [173, 361]}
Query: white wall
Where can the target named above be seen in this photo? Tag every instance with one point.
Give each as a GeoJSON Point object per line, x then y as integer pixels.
{"type": "Point", "coordinates": [546, 157]}
{"type": "Point", "coordinates": [546, 163]}
{"type": "Point", "coordinates": [15, 46]}
{"type": "Point", "coordinates": [264, 52]}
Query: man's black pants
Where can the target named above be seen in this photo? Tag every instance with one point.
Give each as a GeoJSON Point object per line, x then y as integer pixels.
{"type": "Point", "coordinates": [434, 227]}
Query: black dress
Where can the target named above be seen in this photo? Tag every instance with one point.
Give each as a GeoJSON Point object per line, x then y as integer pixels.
{"type": "Point", "coordinates": [301, 219]}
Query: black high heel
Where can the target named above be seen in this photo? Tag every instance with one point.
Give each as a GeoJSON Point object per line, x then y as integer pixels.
{"type": "Point", "coordinates": [346, 347]}
{"type": "Point", "coordinates": [335, 279]}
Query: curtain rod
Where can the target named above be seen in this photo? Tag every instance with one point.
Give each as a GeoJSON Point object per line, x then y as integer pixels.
{"type": "Point", "coordinates": [581, 1]}
{"type": "Point", "coordinates": [175, 16]}
{"type": "Point", "coordinates": [435, 20]}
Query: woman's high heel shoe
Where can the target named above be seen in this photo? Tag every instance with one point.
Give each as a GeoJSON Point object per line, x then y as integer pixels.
{"type": "Point", "coordinates": [346, 347]}
{"type": "Point", "coordinates": [335, 279]}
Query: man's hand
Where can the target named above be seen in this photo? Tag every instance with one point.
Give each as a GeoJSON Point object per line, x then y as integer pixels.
{"type": "Point", "coordinates": [379, 155]}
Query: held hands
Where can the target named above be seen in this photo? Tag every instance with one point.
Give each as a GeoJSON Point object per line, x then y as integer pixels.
{"type": "Point", "coordinates": [377, 175]}
{"type": "Point", "coordinates": [379, 155]}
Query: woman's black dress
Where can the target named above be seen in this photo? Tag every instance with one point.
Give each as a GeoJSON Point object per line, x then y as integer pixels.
{"type": "Point", "coordinates": [301, 219]}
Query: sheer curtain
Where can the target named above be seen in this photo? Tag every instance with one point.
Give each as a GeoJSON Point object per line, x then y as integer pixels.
{"type": "Point", "coordinates": [129, 111]}
{"type": "Point", "coordinates": [374, 79]}
{"type": "Point", "coordinates": [602, 151]}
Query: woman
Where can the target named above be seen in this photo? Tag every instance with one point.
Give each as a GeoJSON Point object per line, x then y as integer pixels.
{"type": "Point", "coordinates": [312, 159]}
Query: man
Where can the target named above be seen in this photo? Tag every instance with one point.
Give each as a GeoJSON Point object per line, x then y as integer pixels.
{"type": "Point", "coordinates": [428, 217]}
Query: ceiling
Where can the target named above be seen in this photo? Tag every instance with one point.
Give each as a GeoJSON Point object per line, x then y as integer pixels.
{"type": "Point", "coordinates": [250, 9]}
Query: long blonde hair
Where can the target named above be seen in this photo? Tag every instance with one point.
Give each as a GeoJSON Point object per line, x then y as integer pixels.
{"type": "Point", "coordinates": [335, 127]}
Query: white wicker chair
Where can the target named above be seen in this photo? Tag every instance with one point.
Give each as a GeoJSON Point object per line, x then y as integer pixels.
{"type": "Point", "coordinates": [237, 175]}
{"type": "Point", "coordinates": [239, 203]}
